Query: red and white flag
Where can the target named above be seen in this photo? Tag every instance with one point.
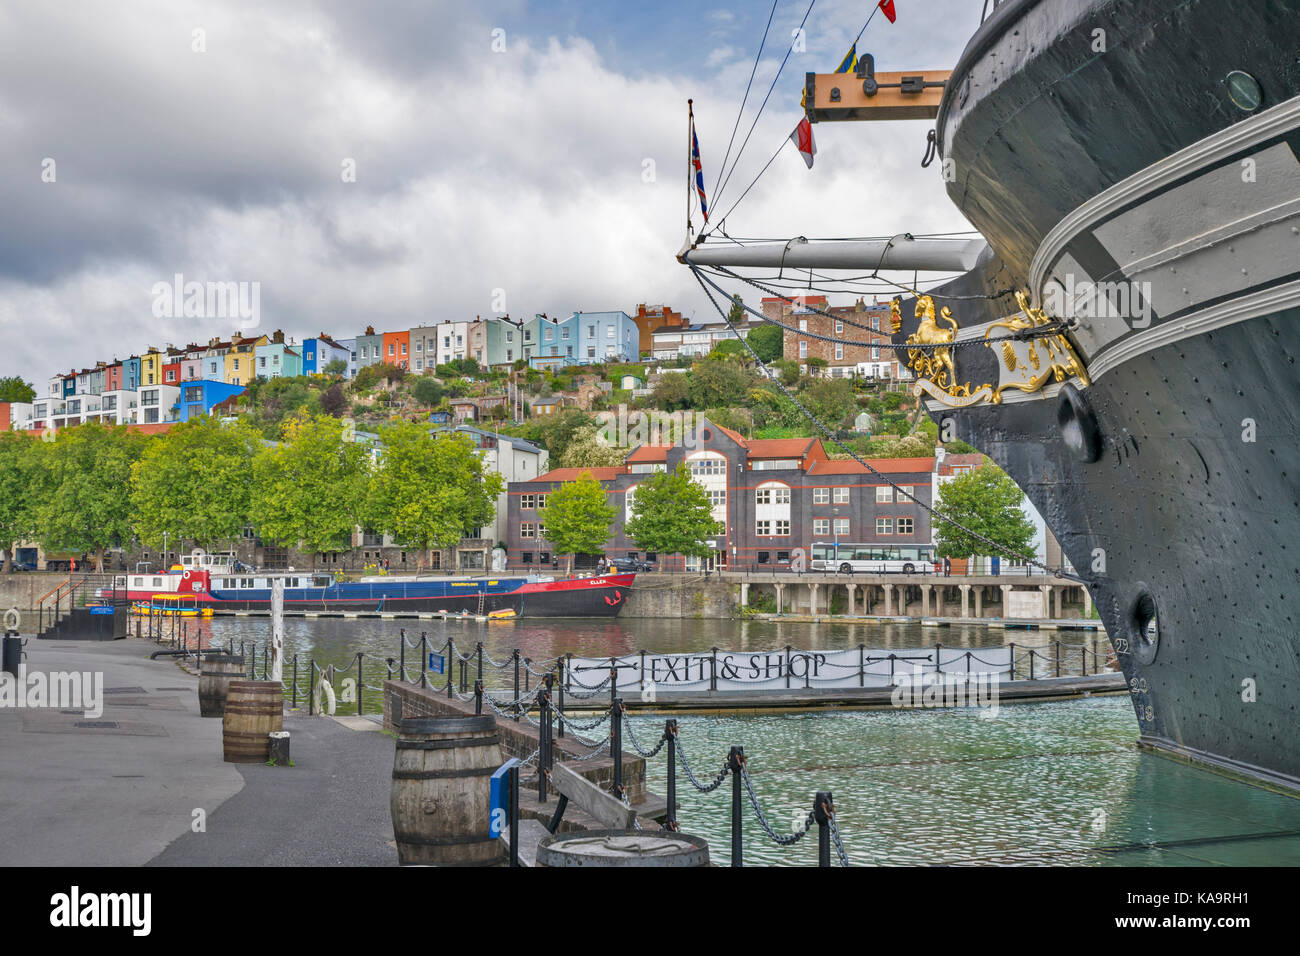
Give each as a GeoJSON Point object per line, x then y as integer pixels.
{"type": "Point", "coordinates": [887, 7]}
{"type": "Point", "coordinates": [802, 137]}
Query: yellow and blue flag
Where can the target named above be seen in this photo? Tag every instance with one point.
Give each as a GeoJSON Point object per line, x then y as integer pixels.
{"type": "Point", "coordinates": [850, 61]}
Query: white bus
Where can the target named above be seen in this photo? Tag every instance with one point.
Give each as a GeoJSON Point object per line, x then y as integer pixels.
{"type": "Point", "coordinates": [846, 558]}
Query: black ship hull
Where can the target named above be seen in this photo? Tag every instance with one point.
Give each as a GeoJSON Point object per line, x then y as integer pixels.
{"type": "Point", "coordinates": [1172, 478]}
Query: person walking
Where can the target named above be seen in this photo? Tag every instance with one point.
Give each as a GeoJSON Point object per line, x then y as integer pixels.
{"type": "Point", "coordinates": [947, 567]}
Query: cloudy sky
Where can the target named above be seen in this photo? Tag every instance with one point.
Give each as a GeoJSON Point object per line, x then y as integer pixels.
{"type": "Point", "coordinates": [532, 147]}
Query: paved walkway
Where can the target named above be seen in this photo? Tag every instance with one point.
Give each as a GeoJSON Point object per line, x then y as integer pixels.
{"type": "Point", "coordinates": [121, 789]}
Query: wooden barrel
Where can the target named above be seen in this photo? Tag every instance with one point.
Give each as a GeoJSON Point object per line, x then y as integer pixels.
{"type": "Point", "coordinates": [440, 798]}
{"type": "Point", "coordinates": [214, 682]}
{"type": "Point", "coordinates": [254, 709]}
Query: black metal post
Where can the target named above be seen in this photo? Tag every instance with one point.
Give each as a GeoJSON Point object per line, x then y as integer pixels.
{"type": "Point", "coordinates": [401, 658]}
{"type": "Point", "coordinates": [294, 699]}
{"type": "Point", "coordinates": [479, 654]}
{"type": "Point", "coordinates": [447, 665]}
{"type": "Point", "coordinates": [1031, 663]}
{"type": "Point", "coordinates": [311, 690]}
{"type": "Point", "coordinates": [713, 670]}
{"type": "Point", "coordinates": [670, 732]}
{"type": "Point", "coordinates": [787, 665]}
{"type": "Point", "coordinates": [424, 658]}
{"type": "Point", "coordinates": [560, 721]}
{"type": "Point", "coordinates": [862, 665]}
{"type": "Point", "coordinates": [1058, 658]}
{"type": "Point", "coordinates": [478, 697]}
{"type": "Point", "coordinates": [545, 722]}
{"type": "Point", "coordinates": [823, 807]}
{"type": "Point", "coordinates": [361, 685]}
{"type": "Point", "coordinates": [528, 663]}
{"type": "Point", "coordinates": [616, 745]}
{"type": "Point", "coordinates": [736, 760]}
{"type": "Point", "coordinates": [938, 659]}
{"type": "Point", "coordinates": [517, 708]}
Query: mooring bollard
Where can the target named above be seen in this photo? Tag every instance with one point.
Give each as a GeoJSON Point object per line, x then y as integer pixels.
{"type": "Point", "coordinates": [616, 744]}
{"type": "Point", "coordinates": [735, 761]}
{"type": "Point", "coordinates": [670, 735]}
{"type": "Point", "coordinates": [823, 807]}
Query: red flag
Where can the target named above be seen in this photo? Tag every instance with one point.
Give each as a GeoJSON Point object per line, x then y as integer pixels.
{"type": "Point", "coordinates": [802, 137]}
{"type": "Point", "coordinates": [887, 7]}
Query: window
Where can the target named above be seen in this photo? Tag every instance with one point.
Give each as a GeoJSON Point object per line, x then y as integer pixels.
{"type": "Point", "coordinates": [544, 557]}
{"type": "Point", "coordinates": [821, 496]}
{"type": "Point", "coordinates": [839, 325]}
{"type": "Point", "coordinates": [528, 502]}
{"type": "Point", "coordinates": [762, 557]}
{"type": "Point", "coordinates": [905, 526]}
{"type": "Point", "coordinates": [884, 494]}
{"type": "Point", "coordinates": [763, 496]}
{"type": "Point", "coordinates": [275, 359]}
{"type": "Point", "coordinates": [193, 394]}
{"type": "Point", "coordinates": [392, 348]}
{"type": "Point", "coordinates": [403, 348]}
{"type": "Point", "coordinates": [875, 354]}
{"type": "Point", "coordinates": [510, 336]}
{"type": "Point", "coordinates": [763, 528]}
{"type": "Point", "coordinates": [564, 332]}
{"type": "Point", "coordinates": [528, 557]}
{"type": "Point", "coordinates": [901, 497]}
{"type": "Point", "coordinates": [839, 350]}
{"type": "Point", "coordinates": [310, 356]}
{"type": "Point", "coordinates": [717, 497]}
{"type": "Point", "coordinates": [609, 332]}
{"type": "Point", "coordinates": [419, 364]}
{"type": "Point", "coordinates": [803, 325]}
{"type": "Point", "coordinates": [875, 323]}
{"type": "Point", "coordinates": [527, 530]}
{"type": "Point", "coordinates": [591, 351]}
{"type": "Point", "coordinates": [841, 496]}
{"type": "Point", "coordinates": [591, 331]}
{"type": "Point", "coordinates": [541, 530]}
{"type": "Point", "coordinates": [541, 502]}
{"type": "Point", "coordinates": [841, 526]}
{"type": "Point", "coordinates": [884, 526]}
{"type": "Point", "coordinates": [707, 466]}
{"type": "Point", "coordinates": [803, 350]}
{"type": "Point", "coordinates": [821, 526]}
{"type": "Point", "coordinates": [783, 526]}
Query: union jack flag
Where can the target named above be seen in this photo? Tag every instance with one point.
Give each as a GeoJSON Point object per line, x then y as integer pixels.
{"type": "Point", "coordinates": [699, 172]}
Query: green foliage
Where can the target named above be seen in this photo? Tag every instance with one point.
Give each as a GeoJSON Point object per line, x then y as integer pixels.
{"type": "Point", "coordinates": [588, 449]}
{"type": "Point", "coordinates": [14, 389]}
{"type": "Point", "coordinates": [987, 501]}
{"type": "Point", "coordinates": [18, 498]}
{"type": "Point", "coordinates": [737, 419]}
{"type": "Point", "coordinates": [578, 517]}
{"type": "Point", "coordinates": [672, 392]}
{"type": "Point", "coordinates": [771, 409]}
{"type": "Point", "coordinates": [193, 483]}
{"type": "Point", "coordinates": [714, 383]}
{"type": "Point", "coordinates": [372, 375]}
{"type": "Point", "coordinates": [768, 342]}
{"type": "Point", "coordinates": [892, 401]}
{"type": "Point", "coordinates": [556, 432]}
{"type": "Point", "coordinates": [308, 490]}
{"type": "Point", "coordinates": [336, 368]}
{"type": "Point", "coordinates": [82, 485]}
{"type": "Point", "coordinates": [831, 400]}
{"type": "Point", "coordinates": [429, 490]}
{"type": "Point", "coordinates": [816, 362]}
{"type": "Point", "coordinates": [736, 314]}
{"type": "Point", "coordinates": [427, 391]}
{"type": "Point", "coordinates": [466, 367]}
{"type": "Point", "coordinates": [959, 447]}
{"type": "Point", "coordinates": [729, 348]}
{"type": "Point", "coordinates": [789, 372]}
{"type": "Point", "coordinates": [761, 602]}
{"type": "Point", "coordinates": [671, 514]}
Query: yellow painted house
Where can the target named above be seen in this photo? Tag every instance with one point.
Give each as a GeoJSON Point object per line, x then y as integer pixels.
{"type": "Point", "coordinates": [151, 363]}
{"type": "Point", "coordinates": [241, 359]}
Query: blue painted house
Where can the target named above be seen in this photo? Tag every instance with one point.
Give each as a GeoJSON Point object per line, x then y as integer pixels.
{"type": "Point", "coordinates": [197, 398]}
{"type": "Point", "coordinates": [605, 337]}
{"type": "Point", "coordinates": [318, 352]}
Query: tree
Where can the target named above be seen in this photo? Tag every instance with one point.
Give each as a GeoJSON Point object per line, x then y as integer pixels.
{"type": "Point", "coordinates": [372, 375]}
{"type": "Point", "coordinates": [672, 392]}
{"type": "Point", "coordinates": [729, 348]}
{"type": "Point", "coordinates": [193, 483]}
{"type": "Point", "coordinates": [987, 501]}
{"type": "Point", "coordinates": [427, 391]}
{"type": "Point", "coordinates": [333, 401]}
{"type": "Point", "coordinates": [588, 450]}
{"type": "Point", "coordinates": [17, 491]}
{"type": "Point", "coordinates": [671, 514]}
{"type": "Point", "coordinates": [14, 389]}
{"type": "Point", "coordinates": [578, 517]}
{"type": "Point", "coordinates": [789, 372]}
{"type": "Point", "coordinates": [767, 341]}
{"type": "Point", "coordinates": [309, 489]}
{"type": "Point", "coordinates": [736, 314]}
{"type": "Point", "coordinates": [336, 368]}
{"type": "Point", "coordinates": [716, 383]}
{"type": "Point", "coordinates": [83, 483]}
{"type": "Point", "coordinates": [429, 489]}
{"type": "Point", "coordinates": [832, 400]}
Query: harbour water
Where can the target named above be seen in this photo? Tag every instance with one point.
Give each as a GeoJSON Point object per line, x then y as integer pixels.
{"type": "Point", "coordinates": [1057, 783]}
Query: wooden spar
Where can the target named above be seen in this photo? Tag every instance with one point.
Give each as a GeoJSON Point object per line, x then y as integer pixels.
{"type": "Point", "coordinates": [920, 255]}
{"type": "Point", "coordinates": [866, 95]}
{"type": "Point", "coordinates": [277, 629]}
